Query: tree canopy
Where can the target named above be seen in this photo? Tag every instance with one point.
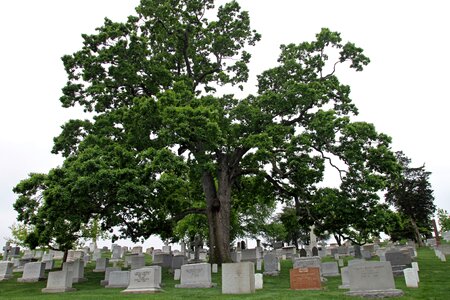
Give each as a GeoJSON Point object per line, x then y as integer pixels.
{"type": "Point", "coordinates": [159, 143]}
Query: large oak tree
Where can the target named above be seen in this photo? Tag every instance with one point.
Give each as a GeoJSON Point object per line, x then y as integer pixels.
{"type": "Point", "coordinates": [159, 143]}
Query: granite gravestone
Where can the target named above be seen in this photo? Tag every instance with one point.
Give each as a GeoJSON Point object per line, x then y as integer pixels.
{"type": "Point", "coordinates": [271, 264]}
{"type": "Point", "coordinates": [6, 270]}
{"type": "Point", "coordinates": [33, 272]}
{"type": "Point", "coordinates": [372, 279]}
{"type": "Point", "coordinates": [144, 281]}
{"type": "Point", "coordinates": [195, 276]}
{"type": "Point", "coordinates": [238, 278]}
{"type": "Point", "coordinates": [59, 282]}
{"type": "Point", "coordinates": [108, 271]}
{"type": "Point", "coordinates": [118, 279]}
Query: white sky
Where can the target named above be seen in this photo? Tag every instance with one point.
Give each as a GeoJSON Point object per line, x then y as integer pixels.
{"type": "Point", "coordinates": [404, 90]}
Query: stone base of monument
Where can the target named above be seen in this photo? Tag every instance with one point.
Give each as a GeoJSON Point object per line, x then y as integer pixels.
{"type": "Point", "coordinates": [5, 277]}
{"type": "Point", "coordinates": [30, 279]}
{"type": "Point", "coordinates": [376, 293]}
{"type": "Point", "coordinates": [58, 290]}
{"type": "Point", "coordinates": [143, 291]}
{"type": "Point", "coordinates": [273, 273]}
{"type": "Point", "coordinates": [196, 285]}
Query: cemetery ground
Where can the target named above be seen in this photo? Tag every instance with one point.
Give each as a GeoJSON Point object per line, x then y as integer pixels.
{"type": "Point", "coordinates": [434, 284]}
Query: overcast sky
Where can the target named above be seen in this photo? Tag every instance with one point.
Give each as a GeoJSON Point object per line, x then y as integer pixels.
{"type": "Point", "coordinates": [404, 90]}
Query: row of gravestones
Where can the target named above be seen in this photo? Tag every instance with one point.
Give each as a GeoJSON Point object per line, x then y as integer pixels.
{"type": "Point", "coordinates": [303, 268]}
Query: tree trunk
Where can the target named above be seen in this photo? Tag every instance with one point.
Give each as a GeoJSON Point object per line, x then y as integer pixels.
{"type": "Point", "coordinates": [417, 233]}
{"type": "Point", "coordinates": [218, 208]}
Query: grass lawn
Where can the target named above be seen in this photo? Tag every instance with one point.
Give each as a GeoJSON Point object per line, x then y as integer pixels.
{"type": "Point", "coordinates": [434, 284]}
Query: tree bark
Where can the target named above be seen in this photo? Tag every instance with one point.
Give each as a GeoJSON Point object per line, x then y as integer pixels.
{"type": "Point", "coordinates": [417, 233]}
{"type": "Point", "coordinates": [218, 210]}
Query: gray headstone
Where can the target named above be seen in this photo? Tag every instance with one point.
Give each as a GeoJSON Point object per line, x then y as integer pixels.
{"type": "Point", "coordinates": [108, 271]}
{"type": "Point", "coordinates": [329, 269]}
{"type": "Point", "coordinates": [118, 279]}
{"type": "Point", "coordinates": [33, 272]}
{"type": "Point", "coordinates": [195, 276]}
{"type": "Point", "coordinates": [271, 264]}
{"type": "Point", "coordinates": [6, 270]}
{"type": "Point", "coordinates": [59, 282]}
{"type": "Point", "coordinates": [372, 279]}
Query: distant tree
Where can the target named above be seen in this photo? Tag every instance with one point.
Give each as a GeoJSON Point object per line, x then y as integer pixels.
{"type": "Point", "coordinates": [273, 231]}
{"type": "Point", "coordinates": [444, 220]}
{"type": "Point", "coordinates": [412, 196]}
{"type": "Point", "coordinates": [19, 233]}
{"type": "Point", "coordinates": [356, 219]}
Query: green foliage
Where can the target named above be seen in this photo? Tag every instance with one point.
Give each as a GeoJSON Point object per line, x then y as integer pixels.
{"type": "Point", "coordinates": [19, 233]}
{"type": "Point", "coordinates": [444, 220]}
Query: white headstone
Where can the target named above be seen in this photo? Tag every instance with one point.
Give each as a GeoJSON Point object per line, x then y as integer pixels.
{"type": "Point", "coordinates": [145, 280]}
{"type": "Point", "coordinates": [410, 278]}
{"type": "Point", "coordinates": [214, 268]}
{"type": "Point", "coordinates": [177, 274]}
{"type": "Point", "coordinates": [258, 281]}
{"type": "Point", "coordinates": [59, 282]}
{"type": "Point", "coordinates": [238, 278]}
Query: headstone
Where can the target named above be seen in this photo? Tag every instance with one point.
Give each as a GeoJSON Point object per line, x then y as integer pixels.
{"type": "Point", "coordinates": [307, 262]}
{"type": "Point", "coordinates": [303, 253]}
{"type": "Point", "coordinates": [312, 237]}
{"type": "Point", "coordinates": [259, 264]}
{"type": "Point", "coordinates": [366, 254]}
{"type": "Point", "coordinates": [315, 251]}
{"type": "Point", "coordinates": [357, 249]}
{"type": "Point", "coordinates": [235, 256]}
{"type": "Point", "coordinates": [177, 274]}
{"type": "Point", "coordinates": [101, 264]}
{"type": "Point", "coordinates": [14, 252]}
{"type": "Point", "coordinates": [116, 254]}
{"type": "Point", "coordinates": [6, 251]}
{"type": "Point", "coordinates": [136, 250]}
{"type": "Point", "coordinates": [238, 278]}
{"type": "Point", "coordinates": [289, 251]}
{"type": "Point", "coordinates": [305, 279]}
{"type": "Point", "coordinates": [48, 260]}
{"type": "Point", "coordinates": [108, 271]}
{"type": "Point", "coordinates": [277, 245]}
{"type": "Point", "coordinates": [57, 254]}
{"type": "Point", "coordinates": [329, 269]}
{"type": "Point", "coordinates": [258, 281]}
{"type": "Point", "coordinates": [195, 276]}
{"type": "Point", "coordinates": [214, 268]}
{"type": "Point", "coordinates": [399, 261]}
{"type": "Point", "coordinates": [167, 249]}
{"type": "Point", "coordinates": [177, 262]}
{"type": "Point", "coordinates": [341, 262]}
{"type": "Point", "coordinates": [343, 250]}
{"type": "Point", "coordinates": [73, 255]}
{"type": "Point", "coordinates": [345, 279]}
{"type": "Point", "coordinates": [77, 269]}
{"type": "Point", "coordinates": [355, 261]}
{"type": "Point", "coordinates": [271, 265]}
{"type": "Point", "coordinates": [411, 278]}
{"type": "Point", "coordinates": [33, 272]}
{"type": "Point", "coordinates": [372, 279]}
{"type": "Point", "coordinates": [96, 255]}
{"type": "Point", "coordinates": [118, 279]}
{"type": "Point", "coordinates": [333, 251]}
{"type": "Point", "coordinates": [6, 270]}
{"type": "Point", "coordinates": [137, 261]}
{"type": "Point", "coordinates": [415, 265]}
{"type": "Point", "coordinates": [59, 282]}
{"type": "Point", "coordinates": [145, 280]}
{"type": "Point", "coordinates": [369, 247]}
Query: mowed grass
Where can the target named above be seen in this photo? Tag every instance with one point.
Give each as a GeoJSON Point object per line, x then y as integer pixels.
{"type": "Point", "coordinates": [434, 284]}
